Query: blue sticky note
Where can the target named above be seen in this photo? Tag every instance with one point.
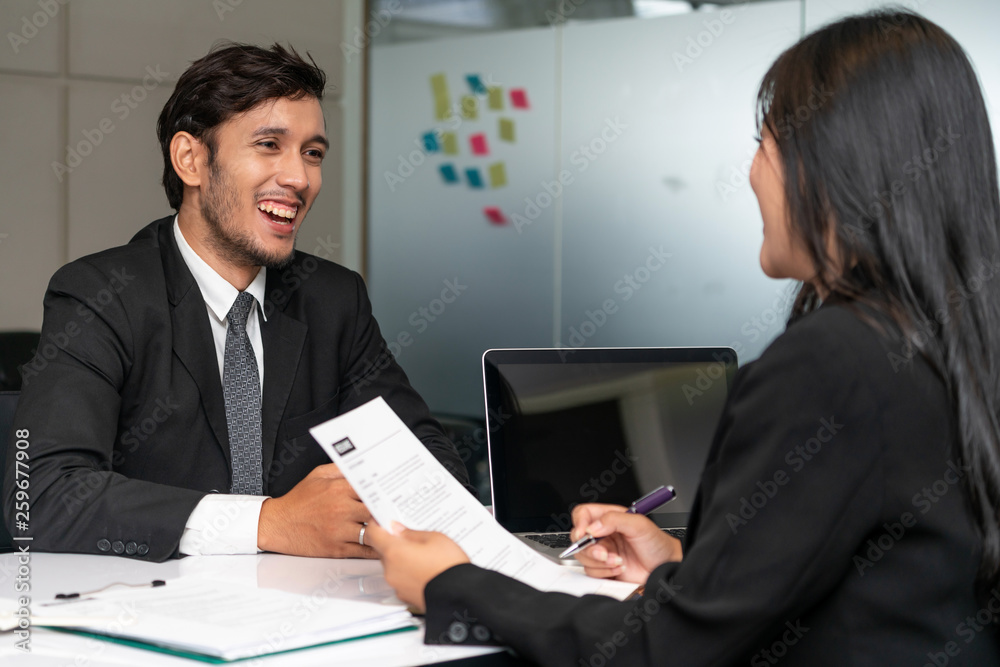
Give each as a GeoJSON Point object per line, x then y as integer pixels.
{"type": "Point", "coordinates": [475, 180]}
{"type": "Point", "coordinates": [431, 142]}
{"type": "Point", "coordinates": [476, 84]}
{"type": "Point", "coordinates": [448, 173]}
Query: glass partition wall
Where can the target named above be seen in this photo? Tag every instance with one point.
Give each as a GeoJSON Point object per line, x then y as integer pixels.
{"type": "Point", "coordinates": [570, 173]}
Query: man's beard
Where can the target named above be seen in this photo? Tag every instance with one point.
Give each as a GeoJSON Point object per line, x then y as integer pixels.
{"type": "Point", "coordinates": [232, 243]}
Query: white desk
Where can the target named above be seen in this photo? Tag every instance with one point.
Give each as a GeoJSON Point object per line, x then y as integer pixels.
{"type": "Point", "coordinates": [66, 573]}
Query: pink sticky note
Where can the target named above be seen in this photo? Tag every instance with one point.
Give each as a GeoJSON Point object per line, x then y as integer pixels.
{"type": "Point", "coordinates": [478, 144]}
{"type": "Point", "coordinates": [494, 215]}
{"type": "Point", "coordinates": [518, 98]}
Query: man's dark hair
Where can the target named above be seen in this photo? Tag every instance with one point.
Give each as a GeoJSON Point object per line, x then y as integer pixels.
{"type": "Point", "coordinates": [231, 79]}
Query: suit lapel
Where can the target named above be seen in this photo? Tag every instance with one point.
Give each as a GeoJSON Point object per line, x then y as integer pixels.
{"type": "Point", "coordinates": [284, 338]}
{"type": "Point", "coordinates": [192, 334]}
{"type": "Point", "coordinates": [194, 346]}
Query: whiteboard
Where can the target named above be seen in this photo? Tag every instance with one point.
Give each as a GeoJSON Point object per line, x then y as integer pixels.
{"type": "Point", "coordinates": [423, 231]}
{"type": "Point", "coordinates": [575, 235]}
{"type": "Point", "coordinates": [674, 182]}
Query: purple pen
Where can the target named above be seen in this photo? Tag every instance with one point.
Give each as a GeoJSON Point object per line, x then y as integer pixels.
{"type": "Point", "coordinates": [649, 502]}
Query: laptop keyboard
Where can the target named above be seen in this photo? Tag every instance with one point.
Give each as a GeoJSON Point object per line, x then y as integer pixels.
{"type": "Point", "coordinates": [554, 540]}
{"type": "Point", "coordinates": [562, 541]}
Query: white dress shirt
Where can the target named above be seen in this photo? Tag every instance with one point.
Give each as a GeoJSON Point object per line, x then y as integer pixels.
{"type": "Point", "coordinates": [223, 523]}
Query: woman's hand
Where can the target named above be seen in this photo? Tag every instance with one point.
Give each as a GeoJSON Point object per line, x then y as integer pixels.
{"type": "Point", "coordinates": [412, 558]}
{"type": "Point", "coordinates": [633, 546]}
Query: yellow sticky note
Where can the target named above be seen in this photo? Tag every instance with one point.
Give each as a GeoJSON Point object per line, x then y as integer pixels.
{"type": "Point", "coordinates": [442, 109]}
{"type": "Point", "coordinates": [439, 84]}
{"type": "Point", "coordinates": [496, 98]}
{"type": "Point", "coordinates": [449, 143]}
{"type": "Point", "coordinates": [470, 107]}
{"type": "Point", "coordinates": [507, 129]}
{"type": "Point", "coordinates": [498, 175]}
{"type": "Point", "coordinates": [442, 103]}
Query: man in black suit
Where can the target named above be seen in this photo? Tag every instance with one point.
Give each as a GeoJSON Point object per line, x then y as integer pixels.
{"type": "Point", "coordinates": [151, 432]}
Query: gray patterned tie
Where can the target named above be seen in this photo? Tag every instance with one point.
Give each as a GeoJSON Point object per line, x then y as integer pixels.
{"type": "Point", "coordinates": [241, 385]}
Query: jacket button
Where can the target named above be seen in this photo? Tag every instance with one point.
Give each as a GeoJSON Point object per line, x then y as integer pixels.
{"type": "Point", "coordinates": [130, 548]}
{"type": "Point", "coordinates": [481, 633]}
{"type": "Point", "coordinates": [103, 545]}
{"type": "Point", "coordinates": [118, 547]}
{"type": "Point", "coordinates": [458, 632]}
{"type": "Point", "coordinates": [142, 550]}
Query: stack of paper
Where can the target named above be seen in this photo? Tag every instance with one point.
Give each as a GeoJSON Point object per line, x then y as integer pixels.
{"type": "Point", "coordinates": [223, 620]}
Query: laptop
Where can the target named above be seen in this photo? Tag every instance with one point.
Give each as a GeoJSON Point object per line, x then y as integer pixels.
{"type": "Point", "coordinates": [608, 425]}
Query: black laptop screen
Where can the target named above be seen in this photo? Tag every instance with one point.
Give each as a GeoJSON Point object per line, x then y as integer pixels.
{"type": "Point", "coordinates": [599, 425]}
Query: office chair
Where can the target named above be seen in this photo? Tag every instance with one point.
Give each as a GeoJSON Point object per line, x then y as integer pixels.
{"type": "Point", "coordinates": [8, 402]}
{"type": "Point", "coordinates": [469, 436]}
{"type": "Point", "coordinates": [16, 349]}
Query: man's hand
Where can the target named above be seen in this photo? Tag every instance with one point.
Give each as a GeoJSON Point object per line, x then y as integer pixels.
{"type": "Point", "coordinates": [412, 558]}
{"type": "Point", "coordinates": [321, 516]}
{"type": "Point", "coordinates": [633, 546]}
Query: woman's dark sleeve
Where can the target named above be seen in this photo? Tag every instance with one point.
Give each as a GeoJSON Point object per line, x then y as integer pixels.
{"type": "Point", "coordinates": [792, 487]}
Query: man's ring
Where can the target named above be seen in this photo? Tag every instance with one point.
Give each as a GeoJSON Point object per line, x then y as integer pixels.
{"type": "Point", "coordinates": [361, 535]}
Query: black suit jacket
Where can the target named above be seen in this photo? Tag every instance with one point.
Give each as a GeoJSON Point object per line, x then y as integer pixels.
{"type": "Point", "coordinates": [124, 404]}
{"type": "Point", "coordinates": [830, 528]}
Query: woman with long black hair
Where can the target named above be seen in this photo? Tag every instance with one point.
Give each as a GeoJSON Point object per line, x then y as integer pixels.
{"type": "Point", "coordinates": [869, 428]}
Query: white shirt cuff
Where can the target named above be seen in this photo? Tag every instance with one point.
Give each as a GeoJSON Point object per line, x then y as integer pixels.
{"type": "Point", "coordinates": [222, 524]}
